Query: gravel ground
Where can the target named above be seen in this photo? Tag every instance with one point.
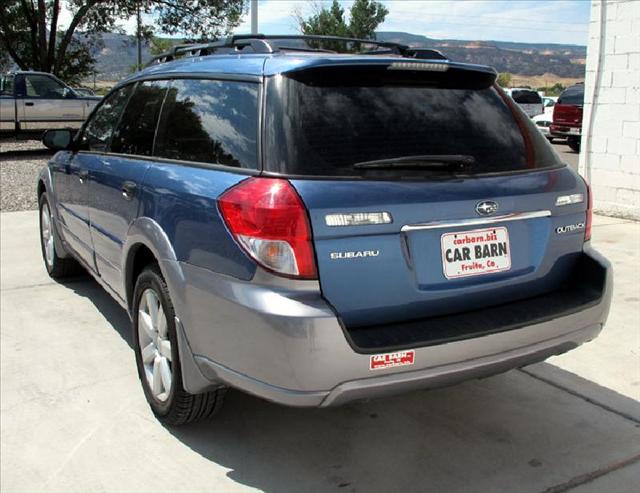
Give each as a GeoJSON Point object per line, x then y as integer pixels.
{"type": "Point", "coordinates": [20, 164]}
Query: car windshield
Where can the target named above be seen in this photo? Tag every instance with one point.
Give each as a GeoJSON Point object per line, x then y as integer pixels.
{"type": "Point", "coordinates": [324, 129]}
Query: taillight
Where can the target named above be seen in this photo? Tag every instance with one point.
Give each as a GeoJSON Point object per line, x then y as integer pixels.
{"type": "Point", "coordinates": [587, 223]}
{"type": "Point", "coordinates": [268, 219]}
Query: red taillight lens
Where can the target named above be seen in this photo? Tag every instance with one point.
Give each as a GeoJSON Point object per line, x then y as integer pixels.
{"type": "Point", "coordinates": [588, 221]}
{"type": "Point", "coordinates": [267, 217]}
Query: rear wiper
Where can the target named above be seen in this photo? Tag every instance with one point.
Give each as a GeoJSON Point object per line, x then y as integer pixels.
{"type": "Point", "coordinates": [427, 161]}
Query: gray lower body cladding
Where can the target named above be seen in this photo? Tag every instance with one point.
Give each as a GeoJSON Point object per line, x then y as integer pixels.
{"type": "Point", "coordinates": [285, 344]}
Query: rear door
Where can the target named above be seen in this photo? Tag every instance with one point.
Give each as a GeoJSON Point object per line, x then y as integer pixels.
{"type": "Point", "coordinates": [403, 239]}
{"type": "Point", "coordinates": [115, 178]}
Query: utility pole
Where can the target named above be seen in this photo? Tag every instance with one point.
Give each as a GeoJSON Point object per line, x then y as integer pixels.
{"type": "Point", "coordinates": [254, 16]}
{"type": "Point", "coordinates": [139, 36]}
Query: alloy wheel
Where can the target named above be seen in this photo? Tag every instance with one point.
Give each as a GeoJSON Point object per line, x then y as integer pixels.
{"type": "Point", "coordinates": [155, 346]}
{"type": "Point", "coordinates": [46, 232]}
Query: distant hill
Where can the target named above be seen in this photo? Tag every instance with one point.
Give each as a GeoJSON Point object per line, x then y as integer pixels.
{"type": "Point", "coordinates": [118, 55]}
{"type": "Point", "coordinates": [528, 59]}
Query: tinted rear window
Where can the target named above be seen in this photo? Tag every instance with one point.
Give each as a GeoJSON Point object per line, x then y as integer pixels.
{"type": "Point", "coordinates": [323, 129]}
{"type": "Point", "coordinates": [210, 121]}
{"type": "Point", "coordinates": [573, 95]}
{"type": "Point", "coordinates": [137, 126]}
{"type": "Point", "coordinates": [526, 97]}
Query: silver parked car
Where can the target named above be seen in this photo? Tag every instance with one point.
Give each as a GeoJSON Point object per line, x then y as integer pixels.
{"type": "Point", "coordinates": [31, 102]}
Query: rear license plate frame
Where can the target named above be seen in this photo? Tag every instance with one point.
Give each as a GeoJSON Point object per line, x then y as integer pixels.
{"type": "Point", "coordinates": [475, 262]}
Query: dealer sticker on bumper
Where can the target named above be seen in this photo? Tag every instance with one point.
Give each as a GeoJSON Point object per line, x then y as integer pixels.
{"type": "Point", "coordinates": [391, 360]}
{"type": "Point", "coordinates": [477, 252]}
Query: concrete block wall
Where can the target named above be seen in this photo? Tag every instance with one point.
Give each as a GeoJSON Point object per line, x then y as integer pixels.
{"type": "Point", "coordinates": [610, 156]}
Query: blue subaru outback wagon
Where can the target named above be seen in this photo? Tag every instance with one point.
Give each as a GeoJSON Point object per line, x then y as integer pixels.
{"type": "Point", "coordinates": [315, 227]}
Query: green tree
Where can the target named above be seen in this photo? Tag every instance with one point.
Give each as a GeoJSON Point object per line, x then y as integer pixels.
{"type": "Point", "coordinates": [504, 79]}
{"type": "Point", "coordinates": [157, 45]}
{"type": "Point", "coordinates": [31, 35]}
{"type": "Point", "coordinates": [364, 18]}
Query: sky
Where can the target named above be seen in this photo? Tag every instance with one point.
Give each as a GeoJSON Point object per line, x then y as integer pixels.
{"type": "Point", "coordinates": [537, 21]}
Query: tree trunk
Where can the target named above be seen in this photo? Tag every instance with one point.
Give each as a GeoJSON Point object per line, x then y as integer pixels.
{"type": "Point", "coordinates": [68, 35]}
{"type": "Point", "coordinates": [42, 34]}
{"type": "Point", "coordinates": [30, 14]}
{"type": "Point", "coordinates": [53, 31]}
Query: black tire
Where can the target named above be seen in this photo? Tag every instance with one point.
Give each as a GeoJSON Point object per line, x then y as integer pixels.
{"type": "Point", "coordinates": [574, 143]}
{"type": "Point", "coordinates": [180, 407]}
{"type": "Point", "coordinates": [58, 267]}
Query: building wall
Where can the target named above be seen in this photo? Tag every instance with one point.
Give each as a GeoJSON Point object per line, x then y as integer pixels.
{"type": "Point", "coordinates": [610, 154]}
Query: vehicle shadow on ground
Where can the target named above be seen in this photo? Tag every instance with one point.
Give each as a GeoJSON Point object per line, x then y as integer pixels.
{"type": "Point", "coordinates": [511, 432]}
{"type": "Point", "coordinates": [85, 286]}
{"type": "Point", "coordinates": [18, 155]}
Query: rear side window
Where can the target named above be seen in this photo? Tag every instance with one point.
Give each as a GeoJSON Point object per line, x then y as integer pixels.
{"type": "Point", "coordinates": [100, 127]}
{"type": "Point", "coordinates": [526, 97]}
{"type": "Point", "coordinates": [326, 128]}
{"type": "Point", "coordinates": [6, 85]}
{"type": "Point", "coordinates": [210, 121]}
{"type": "Point", "coordinates": [42, 86]}
{"type": "Point", "coordinates": [573, 95]}
{"type": "Point", "coordinates": [137, 127]}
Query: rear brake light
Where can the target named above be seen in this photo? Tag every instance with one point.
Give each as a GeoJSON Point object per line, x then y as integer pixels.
{"type": "Point", "coordinates": [588, 221]}
{"type": "Point", "coordinates": [268, 219]}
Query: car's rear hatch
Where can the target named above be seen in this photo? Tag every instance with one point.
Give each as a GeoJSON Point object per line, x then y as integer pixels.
{"type": "Point", "coordinates": [569, 115]}
{"type": "Point", "coordinates": [568, 110]}
{"type": "Point", "coordinates": [471, 220]}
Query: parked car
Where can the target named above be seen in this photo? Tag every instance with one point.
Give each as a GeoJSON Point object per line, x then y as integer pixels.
{"type": "Point", "coordinates": [549, 102]}
{"type": "Point", "coordinates": [32, 102]}
{"type": "Point", "coordinates": [296, 225]}
{"type": "Point", "coordinates": [567, 116]}
{"type": "Point", "coordinates": [528, 99]}
{"type": "Point", "coordinates": [543, 122]}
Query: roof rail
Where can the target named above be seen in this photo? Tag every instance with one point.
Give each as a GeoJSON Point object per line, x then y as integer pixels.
{"type": "Point", "coordinates": [261, 43]}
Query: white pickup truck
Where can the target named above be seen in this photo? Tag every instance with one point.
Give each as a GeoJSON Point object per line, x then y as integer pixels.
{"type": "Point", "coordinates": [31, 102]}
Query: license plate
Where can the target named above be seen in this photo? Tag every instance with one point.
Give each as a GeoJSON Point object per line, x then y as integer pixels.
{"type": "Point", "coordinates": [474, 253]}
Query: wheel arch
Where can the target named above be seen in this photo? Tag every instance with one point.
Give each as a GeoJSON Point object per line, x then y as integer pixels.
{"type": "Point", "coordinates": [41, 187]}
{"type": "Point", "coordinates": [44, 183]}
{"type": "Point", "coordinates": [146, 243]}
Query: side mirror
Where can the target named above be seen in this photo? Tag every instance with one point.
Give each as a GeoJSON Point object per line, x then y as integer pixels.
{"type": "Point", "coordinates": [58, 140]}
{"type": "Point", "coordinates": [68, 93]}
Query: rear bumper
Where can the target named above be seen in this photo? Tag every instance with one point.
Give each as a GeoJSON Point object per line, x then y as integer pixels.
{"type": "Point", "coordinates": [287, 345]}
{"type": "Point", "coordinates": [565, 130]}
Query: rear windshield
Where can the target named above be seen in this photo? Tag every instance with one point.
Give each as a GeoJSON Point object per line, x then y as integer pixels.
{"type": "Point", "coordinates": [323, 127]}
{"type": "Point", "coordinates": [526, 97]}
{"type": "Point", "coordinates": [573, 95]}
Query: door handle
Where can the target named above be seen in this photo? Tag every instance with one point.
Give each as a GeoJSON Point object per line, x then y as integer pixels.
{"type": "Point", "coordinates": [83, 174]}
{"type": "Point", "coordinates": [129, 189]}
{"type": "Point", "coordinates": [29, 103]}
